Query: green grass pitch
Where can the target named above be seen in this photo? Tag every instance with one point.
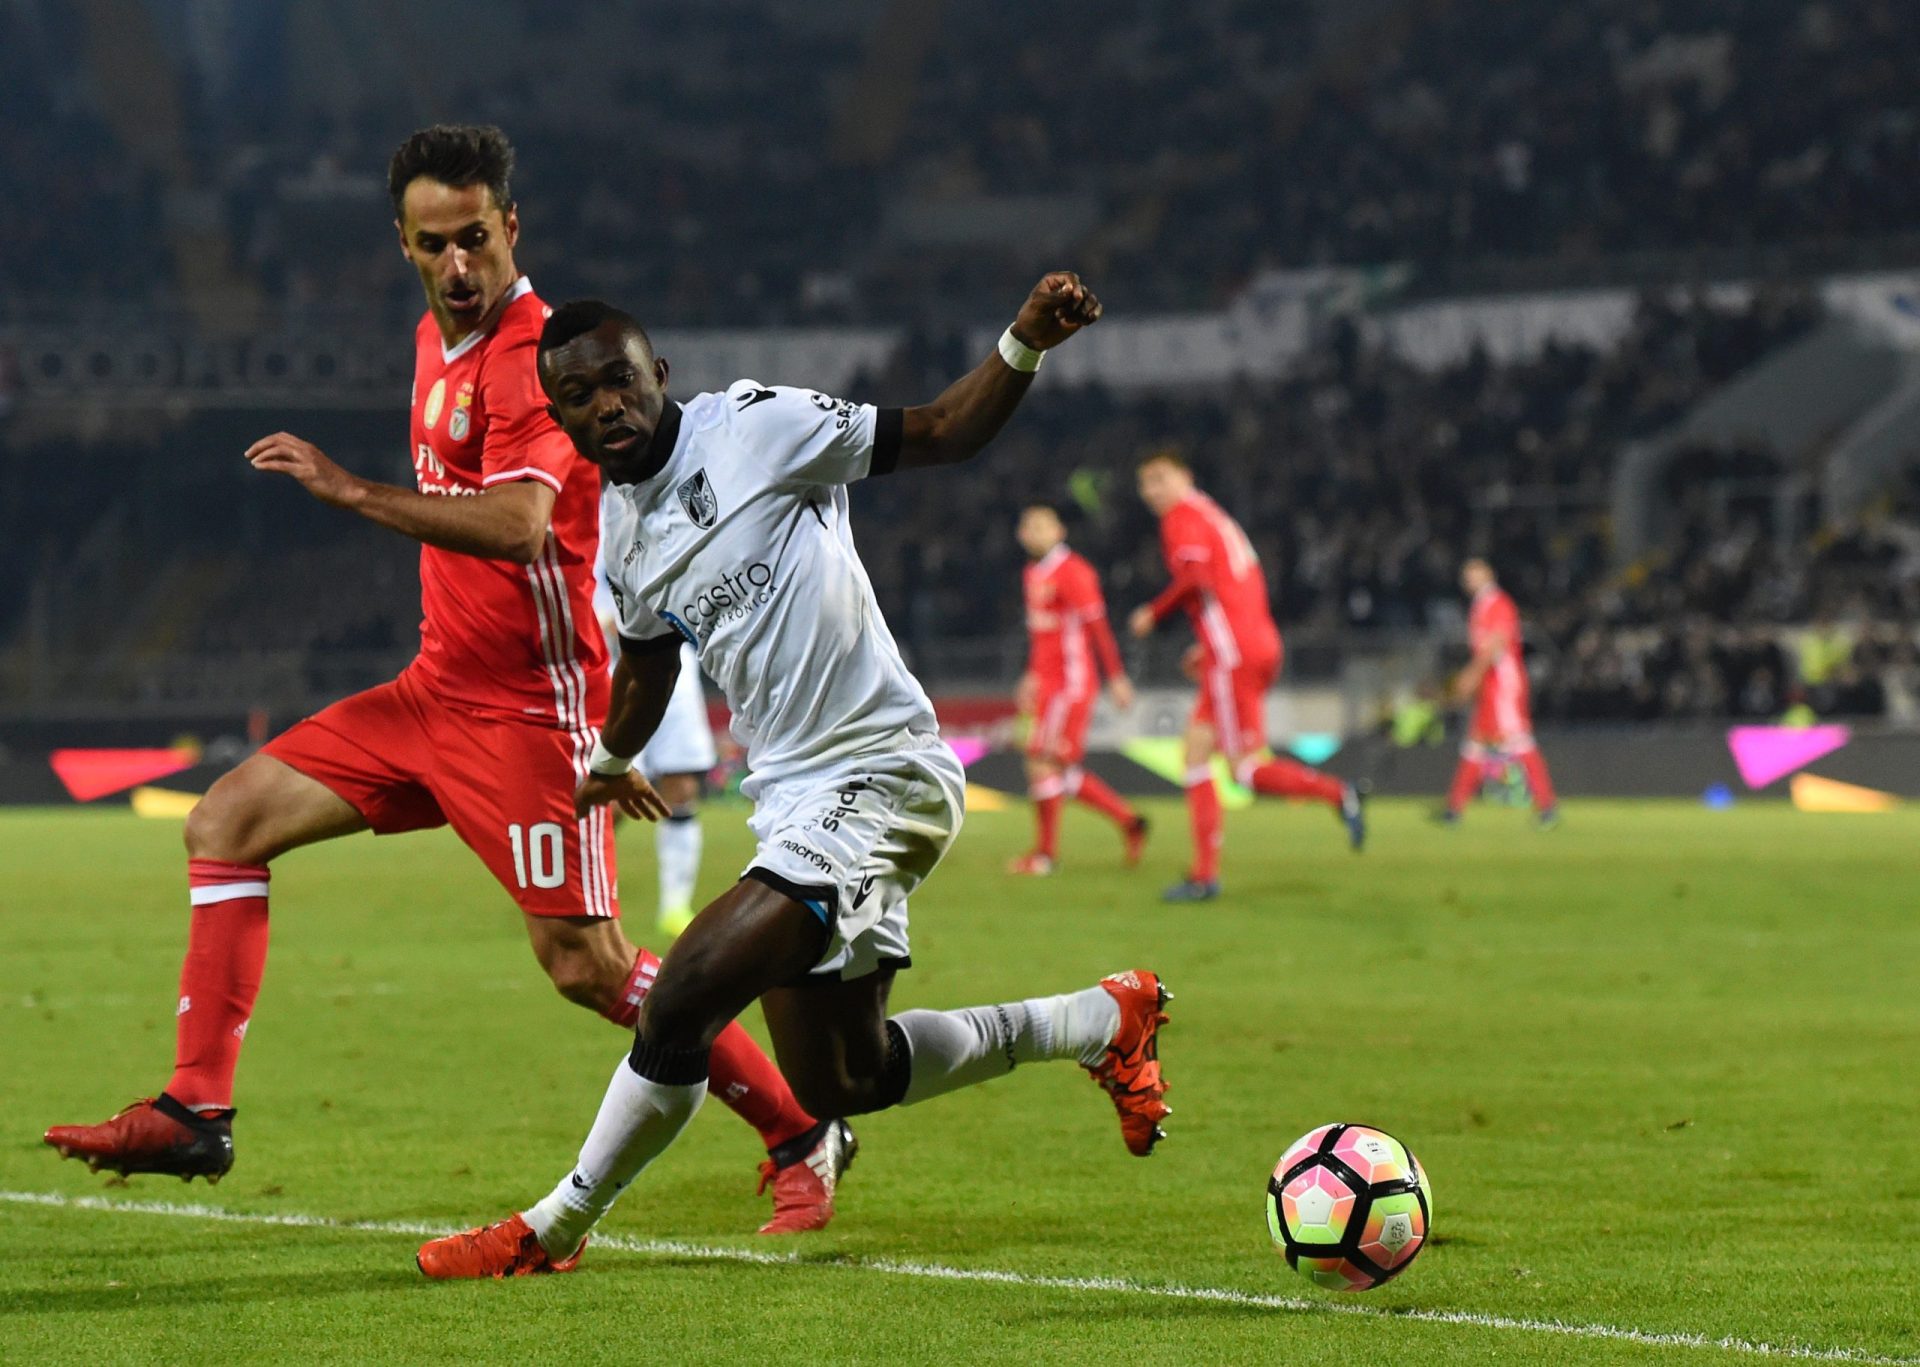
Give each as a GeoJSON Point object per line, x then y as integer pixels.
{"type": "Point", "coordinates": [1660, 1064]}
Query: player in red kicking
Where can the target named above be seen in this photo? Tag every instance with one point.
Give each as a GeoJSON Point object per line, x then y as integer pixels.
{"type": "Point", "coordinates": [1496, 678]}
{"type": "Point", "coordinates": [489, 730]}
{"type": "Point", "coordinates": [1218, 581]}
{"type": "Point", "coordinates": [1066, 630]}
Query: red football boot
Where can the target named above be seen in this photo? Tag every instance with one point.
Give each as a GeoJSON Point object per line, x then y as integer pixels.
{"type": "Point", "coordinates": [1130, 1069]}
{"type": "Point", "coordinates": [1033, 865]}
{"type": "Point", "coordinates": [1135, 836]}
{"type": "Point", "coordinates": [505, 1248]}
{"type": "Point", "coordinates": [803, 1189]}
{"type": "Point", "coordinates": [152, 1135]}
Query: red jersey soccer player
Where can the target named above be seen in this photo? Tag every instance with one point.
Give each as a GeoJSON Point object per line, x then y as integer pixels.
{"type": "Point", "coordinates": [1218, 581]}
{"type": "Point", "coordinates": [1502, 714]}
{"type": "Point", "coordinates": [1066, 632]}
{"type": "Point", "coordinates": [489, 730]}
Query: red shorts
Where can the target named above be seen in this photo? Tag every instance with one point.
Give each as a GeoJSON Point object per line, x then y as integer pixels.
{"type": "Point", "coordinates": [1234, 703]}
{"type": "Point", "coordinates": [407, 761]}
{"type": "Point", "coordinates": [1503, 714]}
{"type": "Point", "coordinates": [1060, 722]}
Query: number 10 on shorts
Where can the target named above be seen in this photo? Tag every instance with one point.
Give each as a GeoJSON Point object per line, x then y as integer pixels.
{"type": "Point", "coordinates": [540, 852]}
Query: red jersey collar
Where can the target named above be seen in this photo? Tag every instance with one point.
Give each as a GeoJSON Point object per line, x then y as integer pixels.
{"type": "Point", "coordinates": [448, 355]}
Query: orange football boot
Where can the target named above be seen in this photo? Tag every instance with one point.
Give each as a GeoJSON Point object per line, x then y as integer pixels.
{"type": "Point", "coordinates": [505, 1248]}
{"type": "Point", "coordinates": [803, 1190]}
{"type": "Point", "coordinates": [152, 1135]}
{"type": "Point", "coordinates": [1130, 1069]}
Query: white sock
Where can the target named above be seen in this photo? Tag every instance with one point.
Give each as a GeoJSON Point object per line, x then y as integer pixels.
{"type": "Point", "coordinates": [637, 1120]}
{"type": "Point", "coordinates": [676, 843]}
{"type": "Point", "coordinates": [955, 1049]}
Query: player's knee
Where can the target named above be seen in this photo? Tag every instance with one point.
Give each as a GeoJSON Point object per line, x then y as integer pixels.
{"type": "Point", "coordinates": [223, 825]}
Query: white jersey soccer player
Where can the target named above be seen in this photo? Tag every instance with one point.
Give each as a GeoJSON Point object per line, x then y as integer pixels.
{"type": "Point", "coordinates": [726, 525]}
{"type": "Point", "coordinates": [741, 545]}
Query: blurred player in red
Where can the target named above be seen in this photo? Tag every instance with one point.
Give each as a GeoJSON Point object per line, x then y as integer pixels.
{"type": "Point", "coordinates": [1067, 631]}
{"type": "Point", "coordinates": [1218, 581]}
{"type": "Point", "coordinates": [489, 730]}
{"type": "Point", "coordinates": [1496, 678]}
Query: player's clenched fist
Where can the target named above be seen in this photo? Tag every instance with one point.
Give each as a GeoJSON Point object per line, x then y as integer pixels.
{"type": "Point", "coordinates": [630, 792]}
{"type": "Point", "coordinates": [1058, 307]}
{"type": "Point", "coordinates": [307, 463]}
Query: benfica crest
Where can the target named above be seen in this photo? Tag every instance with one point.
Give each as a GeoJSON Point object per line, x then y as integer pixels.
{"type": "Point", "coordinates": [696, 496]}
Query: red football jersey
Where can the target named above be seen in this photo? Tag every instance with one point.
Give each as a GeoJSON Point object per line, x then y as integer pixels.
{"type": "Point", "coordinates": [1067, 623]}
{"type": "Point", "coordinates": [1218, 580]}
{"type": "Point", "coordinates": [497, 636]}
{"type": "Point", "coordinates": [1493, 614]}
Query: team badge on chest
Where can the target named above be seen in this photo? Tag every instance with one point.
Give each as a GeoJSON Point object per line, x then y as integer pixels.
{"type": "Point", "coordinates": [462, 420]}
{"type": "Point", "coordinates": [697, 497]}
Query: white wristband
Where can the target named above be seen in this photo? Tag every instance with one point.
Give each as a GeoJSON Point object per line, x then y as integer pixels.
{"type": "Point", "coordinates": [1018, 354]}
{"type": "Point", "coordinates": [607, 764]}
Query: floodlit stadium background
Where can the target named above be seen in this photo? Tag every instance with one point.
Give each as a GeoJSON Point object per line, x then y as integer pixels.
{"type": "Point", "coordinates": [1616, 294]}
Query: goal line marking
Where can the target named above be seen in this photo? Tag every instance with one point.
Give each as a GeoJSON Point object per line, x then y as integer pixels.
{"type": "Point", "coordinates": [894, 1267]}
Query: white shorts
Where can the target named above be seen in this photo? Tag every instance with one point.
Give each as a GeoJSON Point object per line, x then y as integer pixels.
{"type": "Point", "coordinates": [854, 840]}
{"type": "Point", "coordinates": [684, 742]}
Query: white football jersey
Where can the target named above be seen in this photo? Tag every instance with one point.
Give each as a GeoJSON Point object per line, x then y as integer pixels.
{"type": "Point", "coordinates": [741, 544]}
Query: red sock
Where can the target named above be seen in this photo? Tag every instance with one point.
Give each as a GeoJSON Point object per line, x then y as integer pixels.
{"type": "Point", "coordinates": [1046, 814]}
{"type": "Point", "coordinates": [639, 982]}
{"type": "Point", "coordinates": [1096, 794]}
{"type": "Point", "coordinates": [747, 1080]}
{"type": "Point", "coordinates": [738, 1073]}
{"type": "Point", "coordinates": [1537, 779]}
{"type": "Point", "coordinates": [1203, 812]}
{"type": "Point", "coordinates": [1289, 778]}
{"type": "Point", "coordinates": [226, 954]}
{"type": "Point", "coordinates": [1466, 782]}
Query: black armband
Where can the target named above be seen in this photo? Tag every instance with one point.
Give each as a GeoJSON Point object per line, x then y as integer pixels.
{"type": "Point", "coordinates": [652, 645]}
{"type": "Point", "coordinates": [889, 426]}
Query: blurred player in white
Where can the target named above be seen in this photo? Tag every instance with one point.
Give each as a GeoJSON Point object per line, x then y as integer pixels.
{"type": "Point", "coordinates": [726, 524]}
{"type": "Point", "coordinates": [676, 762]}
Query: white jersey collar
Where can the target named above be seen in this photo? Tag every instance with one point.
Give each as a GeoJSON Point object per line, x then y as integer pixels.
{"type": "Point", "coordinates": [1052, 558]}
{"type": "Point", "coordinates": [450, 354]}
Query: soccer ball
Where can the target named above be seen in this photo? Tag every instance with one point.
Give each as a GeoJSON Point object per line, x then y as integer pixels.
{"type": "Point", "coordinates": [1350, 1207]}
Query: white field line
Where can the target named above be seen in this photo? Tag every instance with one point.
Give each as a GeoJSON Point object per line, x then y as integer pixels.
{"type": "Point", "coordinates": [673, 1248]}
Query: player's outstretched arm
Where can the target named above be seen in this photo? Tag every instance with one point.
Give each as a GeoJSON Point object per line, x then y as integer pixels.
{"type": "Point", "coordinates": [507, 522]}
{"type": "Point", "coordinates": [958, 425]}
{"type": "Point", "coordinates": [642, 683]}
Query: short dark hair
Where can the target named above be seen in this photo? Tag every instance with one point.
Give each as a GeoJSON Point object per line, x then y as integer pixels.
{"type": "Point", "coordinates": [578, 317]}
{"type": "Point", "coordinates": [456, 154]}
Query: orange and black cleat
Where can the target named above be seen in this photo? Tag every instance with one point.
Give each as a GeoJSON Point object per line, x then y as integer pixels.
{"type": "Point", "coordinates": [156, 1135]}
{"type": "Point", "coordinates": [804, 1184]}
{"type": "Point", "coordinates": [1130, 1069]}
{"type": "Point", "coordinates": [505, 1248]}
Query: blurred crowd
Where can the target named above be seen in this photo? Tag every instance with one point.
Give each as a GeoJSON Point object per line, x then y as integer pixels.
{"type": "Point", "coordinates": [1363, 481]}
{"type": "Point", "coordinates": [881, 172]}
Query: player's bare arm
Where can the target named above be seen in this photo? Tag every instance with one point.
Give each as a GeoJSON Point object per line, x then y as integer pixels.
{"type": "Point", "coordinates": [958, 425]}
{"type": "Point", "coordinates": [642, 685]}
{"type": "Point", "coordinates": [507, 522]}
